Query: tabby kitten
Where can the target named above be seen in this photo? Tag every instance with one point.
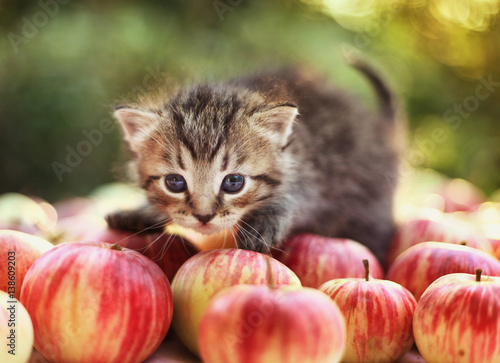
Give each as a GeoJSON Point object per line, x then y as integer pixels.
{"type": "Point", "coordinates": [266, 156]}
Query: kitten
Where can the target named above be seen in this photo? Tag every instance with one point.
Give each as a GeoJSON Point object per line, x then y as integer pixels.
{"type": "Point", "coordinates": [267, 155]}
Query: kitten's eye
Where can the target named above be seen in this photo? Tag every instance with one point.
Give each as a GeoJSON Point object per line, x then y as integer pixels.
{"type": "Point", "coordinates": [175, 183]}
{"type": "Point", "coordinates": [233, 183]}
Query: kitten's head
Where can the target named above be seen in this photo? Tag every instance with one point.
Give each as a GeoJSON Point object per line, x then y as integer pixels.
{"type": "Point", "coordinates": [209, 155]}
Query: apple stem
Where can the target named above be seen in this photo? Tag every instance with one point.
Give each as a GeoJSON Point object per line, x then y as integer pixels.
{"type": "Point", "coordinates": [270, 275]}
{"type": "Point", "coordinates": [116, 247]}
{"type": "Point", "coordinates": [478, 274]}
{"type": "Point", "coordinates": [367, 269]}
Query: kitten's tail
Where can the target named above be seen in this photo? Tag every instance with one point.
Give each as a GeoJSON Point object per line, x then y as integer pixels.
{"type": "Point", "coordinates": [387, 100]}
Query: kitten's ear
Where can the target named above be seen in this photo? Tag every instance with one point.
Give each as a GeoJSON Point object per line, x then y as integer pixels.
{"type": "Point", "coordinates": [133, 121]}
{"type": "Point", "coordinates": [279, 121]}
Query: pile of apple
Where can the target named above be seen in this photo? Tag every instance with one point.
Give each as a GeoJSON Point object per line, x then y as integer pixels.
{"type": "Point", "coordinates": [85, 293]}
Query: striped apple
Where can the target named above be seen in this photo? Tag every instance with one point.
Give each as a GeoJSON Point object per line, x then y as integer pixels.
{"type": "Point", "coordinates": [457, 319]}
{"type": "Point", "coordinates": [317, 259]}
{"type": "Point", "coordinates": [18, 251]}
{"type": "Point", "coordinates": [97, 302]}
{"type": "Point", "coordinates": [422, 264]}
{"type": "Point", "coordinates": [378, 315]}
{"type": "Point", "coordinates": [439, 227]}
{"type": "Point", "coordinates": [248, 323]}
{"type": "Point", "coordinates": [207, 273]}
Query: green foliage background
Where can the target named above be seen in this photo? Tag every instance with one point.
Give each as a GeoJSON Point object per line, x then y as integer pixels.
{"type": "Point", "coordinates": [62, 75]}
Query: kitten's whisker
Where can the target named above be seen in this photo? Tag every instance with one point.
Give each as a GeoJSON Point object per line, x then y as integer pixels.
{"type": "Point", "coordinates": [222, 229]}
{"type": "Point", "coordinates": [156, 225]}
{"type": "Point", "coordinates": [164, 248]}
{"type": "Point", "coordinates": [154, 241]}
{"type": "Point", "coordinates": [185, 242]}
{"type": "Point", "coordinates": [231, 229]}
{"type": "Point", "coordinates": [241, 235]}
{"type": "Point", "coordinates": [225, 236]}
{"type": "Point", "coordinates": [259, 236]}
{"type": "Point", "coordinates": [145, 248]}
{"type": "Point", "coordinates": [216, 241]}
{"type": "Point", "coordinates": [162, 223]}
{"type": "Point", "coordinates": [251, 238]}
{"type": "Point", "coordinates": [225, 227]}
{"type": "Point", "coordinates": [235, 235]}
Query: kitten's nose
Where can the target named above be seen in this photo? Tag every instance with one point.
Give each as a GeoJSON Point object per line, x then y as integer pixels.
{"type": "Point", "coordinates": [204, 218]}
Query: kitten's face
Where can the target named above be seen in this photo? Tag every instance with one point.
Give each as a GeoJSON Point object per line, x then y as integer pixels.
{"type": "Point", "coordinates": [209, 156]}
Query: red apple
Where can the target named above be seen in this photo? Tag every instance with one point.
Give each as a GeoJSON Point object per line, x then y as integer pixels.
{"type": "Point", "coordinates": [457, 319]}
{"type": "Point", "coordinates": [438, 227]}
{"type": "Point", "coordinates": [207, 273]}
{"type": "Point", "coordinates": [317, 259]}
{"type": "Point", "coordinates": [97, 302]}
{"type": "Point", "coordinates": [378, 315]}
{"type": "Point", "coordinates": [18, 251]}
{"type": "Point", "coordinates": [16, 330]}
{"type": "Point", "coordinates": [420, 265]}
{"type": "Point", "coordinates": [21, 213]}
{"type": "Point", "coordinates": [168, 251]}
{"type": "Point", "coordinates": [248, 323]}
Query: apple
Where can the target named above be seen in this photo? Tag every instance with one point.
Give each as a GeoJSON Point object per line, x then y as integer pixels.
{"type": "Point", "coordinates": [378, 315]}
{"type": "Point", "coordinates": [207, 273]}
{"type": "Point", "coordinates": [73, 206]}
{"type": "Point", "coordinates": [495, 243]}
{"type": "Point", "coordinates": [457, 319]}
{"type": "Point", "coordinates": [76, 228]}
{"type": "Point", "coordinates": [18, 251]}
{"type": "Point", "coordinates": [249, 323]}
{"type": "Point", "coordinates": [21, 213]}
{"type": "Point", "coordinates": [317, 259]}
{"type": "Point", "coordinates": [420, 265]}
{"type": "Point", "coordinates": [112, 197]}
{"type": "Point", "coordinates": [487, 217]}
{"type": "Point", "coordinates": [460, 195]}
{"type": "Point", "coordinates": [169, 252]}
{"type": "Point", "coordinates": [435, 226]}
{"type": "Point", "coordinates": [97, 302]}
{"type": "Point", "coordinates": [16, 330]}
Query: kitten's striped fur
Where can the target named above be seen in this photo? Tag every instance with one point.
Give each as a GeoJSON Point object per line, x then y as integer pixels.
{"type": "Point", "coordinates": [314, 159]}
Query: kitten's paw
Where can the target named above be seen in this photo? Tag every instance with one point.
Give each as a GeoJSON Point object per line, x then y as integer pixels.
{"type": "Point", "coordinates": [135, 221]}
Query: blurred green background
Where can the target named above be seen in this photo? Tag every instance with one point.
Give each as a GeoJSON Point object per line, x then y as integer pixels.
{"type": "Point", "coordinates": [63, 64]}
